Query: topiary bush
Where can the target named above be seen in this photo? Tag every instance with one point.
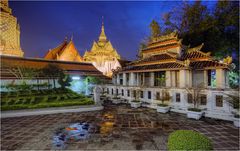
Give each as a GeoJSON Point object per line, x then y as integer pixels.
{"type": "Point", "coordinates": [188, 140]}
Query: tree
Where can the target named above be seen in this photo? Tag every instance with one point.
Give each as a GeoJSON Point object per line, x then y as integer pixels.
{"type": "Point", "coordinates": [195, 92]}
{"type": "Point", "coordinates": [155, 29]}
{"type": "Point", "coordinates": [164, 96]}
{"type": "Point", "coordinates": [52, 71]}
{"type": "Point", "coordinates": [64, 80]}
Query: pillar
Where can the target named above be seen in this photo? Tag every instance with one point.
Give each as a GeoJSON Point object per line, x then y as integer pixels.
{"type": "Point", "coordinates": [220, 78]}
{"type": "Point", "coordinates": [151, 79]}
{"type": "Point", "coordinates": [205, 78]}
{"type": "Point", "coordinates": [168, 78]}
{"type": "Point", "coordinates": [182, 78]}
{"type": "Point", "coordinates": [118, 79]}
{"type": "Point", "coordinates": [124, 79]}
{"type": "Point", "coordinates": [131, 79]}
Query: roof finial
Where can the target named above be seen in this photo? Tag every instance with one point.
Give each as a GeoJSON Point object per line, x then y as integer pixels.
{"type": "Point", "coordinates": [102, 20]}
{"type": "Point", "coordinates": [65, 39]}
{"type": "Point", "coordinates": [72, 37]}
{"type": "Point", "coordinates": [102, 36]}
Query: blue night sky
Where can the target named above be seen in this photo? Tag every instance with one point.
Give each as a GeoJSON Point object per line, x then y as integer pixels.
{"type": "Point", "coordinates": [45, 24]}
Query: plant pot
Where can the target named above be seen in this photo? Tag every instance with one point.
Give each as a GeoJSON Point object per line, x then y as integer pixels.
{"type": "Point", "coordinates": [135, 104]}
{"type": "Point", "coordinates": [116, 101]}
{"type": "Point", "coordinates": [163, 109]}
{"type": "Point", "coordinates": [194, 115]}
{"type": "Point", "coordinates": [236, 122]}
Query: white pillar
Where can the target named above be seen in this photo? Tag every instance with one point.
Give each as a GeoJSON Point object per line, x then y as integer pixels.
{"type": "Point", "coordinates": [173, 78]}
{"type": "Point", "coordinates": [182, 78]}
{"type": "Point", "coordinates": [151, 79]}
{"type": "Point", "coordinates": [168, 79]}
{"type": "Point", "coordinates": [124, 79]}
{"type": "Point", "coordinates": [118, 79]}
{"type": "Point", "coordinates": [131, 79]}
{"type": "Point", "coordinates": [205, 78]}
{"type": "Point", "coordinates": [220, 78]}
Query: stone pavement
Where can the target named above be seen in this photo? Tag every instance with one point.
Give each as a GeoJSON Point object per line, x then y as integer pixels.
{"type": "Point", "coordinates": [117, 127]}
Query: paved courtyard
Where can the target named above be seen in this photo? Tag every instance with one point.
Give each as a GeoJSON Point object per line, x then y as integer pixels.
{"type": "Point", "coordinates": [116, 127]}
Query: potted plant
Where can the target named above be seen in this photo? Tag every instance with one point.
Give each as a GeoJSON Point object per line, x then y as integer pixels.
{"type": "Point", "coordinates": [195, 112]}
{"type": "Point", "coordinates": [136, 103]}
{"type": "Point", "coordinates": [233, 100]}
{"type": "Point", "coordinates": [116, 99]}
{"type": "Point", "coordinates": [163, 107]}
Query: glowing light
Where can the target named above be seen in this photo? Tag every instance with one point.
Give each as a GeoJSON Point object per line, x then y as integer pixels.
{"type": "Point", "coordinates": [76, 78]}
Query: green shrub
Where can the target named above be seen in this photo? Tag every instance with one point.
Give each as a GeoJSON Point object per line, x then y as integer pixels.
{"type": "Point", "coordinates": [162, 105]}
{"type": "Point", "coordinates": [27, 100]}
{"type": "Point", "coordinates": [188, 140]}
{"type": "Point", "coordinates": [11, 102]}
{"type": "Point", "coordinates": [194, 109]}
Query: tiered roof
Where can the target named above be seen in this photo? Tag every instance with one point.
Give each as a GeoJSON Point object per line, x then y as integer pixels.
{"type": "Point", "coordinates": [66, 51]}
{"type": "Point", "coordinates": [164, 56]}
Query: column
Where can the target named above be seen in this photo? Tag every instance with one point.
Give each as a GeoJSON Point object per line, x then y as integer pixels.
{"type": "Point", "coordinates": [220, 78]}
{"type": "Point", "coordinates": [168, 79]}
{"type": "Point", "coordinates": [205, 78]}
{"type": "Point", "coordinates": [118, 79]}
{"type": "Point", "coordinates": [124, 79]}
{"type": "Point", "coordinates": [182, 78]}
{"type": "Point", "coordinates": [151, 79]}
{"type": "Point", "coordinates": [131, 79]}
{"type": "Point", "coordinates": [173, 78]}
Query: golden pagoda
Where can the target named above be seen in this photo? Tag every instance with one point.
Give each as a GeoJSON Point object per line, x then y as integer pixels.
{"type": "Point", "coordinates": [102, 55]}
{"type": "Point", "coordinates": [9, 32]}
{"type": "Point", "coordinates": [65, 52]}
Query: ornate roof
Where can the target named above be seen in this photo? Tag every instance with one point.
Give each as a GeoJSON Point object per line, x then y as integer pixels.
{"type": "Point", "coordinates": [65, 51]}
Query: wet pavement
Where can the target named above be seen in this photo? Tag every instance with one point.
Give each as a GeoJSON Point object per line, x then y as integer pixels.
{"type": "Point", "coordinates": [117, 127]}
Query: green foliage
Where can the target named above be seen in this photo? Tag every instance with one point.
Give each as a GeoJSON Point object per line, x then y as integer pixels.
{"type": "Point", "coordinates": [162, 105]}
{"type": "Point", "coordinates": [234, 79]}
{"type": "Point", "coordinates": [45, 98]}
{"type": "Point", "coordinates": [52, 71]}
{"type": "Point", "coordinates": [92, 80]}
{"type": "Point", "coordinates": [64, 80]}
{"type": "Point", "coordinates": [136, 101]}
{"type": "Point", "coordinates": [194, 109]}
{"type": "Point", "coordinates": [219, 31]}
{"type": "Point", "coordinates": [188, 140]}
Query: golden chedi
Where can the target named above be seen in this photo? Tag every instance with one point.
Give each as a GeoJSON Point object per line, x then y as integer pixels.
{"type": "Point", "coordinates": [9, 32]}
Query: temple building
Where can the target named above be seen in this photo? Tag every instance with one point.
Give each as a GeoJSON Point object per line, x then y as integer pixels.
{"type": "Point", "coordinates": [168, 64]}
{"type": "Point", "coordinates": [9, 32]}
{"type": "Point", "coordinates": [66, 51]}
{"type": "Point", "coordinates": [102, 55]}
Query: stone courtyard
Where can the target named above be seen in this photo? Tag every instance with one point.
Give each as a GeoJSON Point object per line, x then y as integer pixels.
{"type": "Point", "coordinates": [117, 127]}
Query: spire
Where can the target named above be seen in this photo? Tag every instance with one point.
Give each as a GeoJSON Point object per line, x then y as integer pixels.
{"type": "Point", "coordinates": [102, 36]}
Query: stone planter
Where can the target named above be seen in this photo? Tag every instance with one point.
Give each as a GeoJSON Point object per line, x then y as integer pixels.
{"type": "Point", "coordinates": [163, 109]}
{"type": "Point", "coordinates": [135, 104]}
{"type": "Point", "coordinates": [236, 122]}
{"type": "Point", "coordinates": [116, 101]}
{"type": "Point", "coordinates": [194, 115]}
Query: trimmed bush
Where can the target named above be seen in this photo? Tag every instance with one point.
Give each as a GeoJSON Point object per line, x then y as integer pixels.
{"type": "Point", "coordinates": [188, 140]}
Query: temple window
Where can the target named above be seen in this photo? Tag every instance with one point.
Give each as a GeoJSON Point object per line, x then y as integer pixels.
{"type": "Point", "coordinates": [128, 93]}
{"type": "Point", "coordinates": [112, 91]}
{"type": "Point", "coordinates": [160, 78]}
{"type": "Point", "coordinates": [127, 78]}
{"type": "Point", "coordinates": [203, 99]}
{"type": "Point", "coordinates": [107, 91]}
{"type": "Point", "coordinates": [141, 78]}
{"type": "Point", "coordinates": [116, 91]}
{"type": "Point", "coordinates": [122, 92]}
{"type": "Point", "coordinates": [219, 100]}
{"type": "Point", "coordinates": [134, 93]}
{"type": "Point", "coordinates": [190, 98]}
{"type": "Point", "coordinates": [157, 96]}
{"type": "Point", "coordinates": [149, 95]}
{"type": "Point", "coordinates": [178, 97]}
{"type": "Point", "coordinates": [141, 94]}
{"type": "Point", "coordinates": [121, 79]}
{"type": "Point", "coordinates": [211, 78]}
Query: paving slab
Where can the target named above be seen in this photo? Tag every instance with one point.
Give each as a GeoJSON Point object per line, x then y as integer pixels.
{"type": "Point", "coordinates": [116, 127]}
